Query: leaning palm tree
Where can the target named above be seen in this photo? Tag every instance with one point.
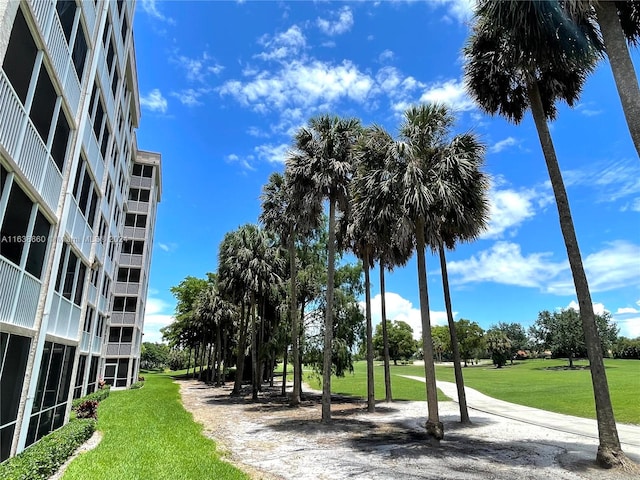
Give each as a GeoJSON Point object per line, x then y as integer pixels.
{"type": "Point", "coordinates": [286, 213]}
{"type": "Point", "coordinates": [515, 62]}
{"type": "Point", "coordinates": [322, 157]}
{"type": "Point", "coordinates": [463, 220]}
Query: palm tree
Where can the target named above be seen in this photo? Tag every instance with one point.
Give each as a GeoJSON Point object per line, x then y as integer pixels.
{"type": "Point", "coordinates": [515, 62]}
{"type": "Point", "coordinates": [286, 213]}
{"type": "Point", "coordinates": [422, 179]}
{"type": "Point", "coordinates": [322, 157]}
{"type": "Point", "coordinates": [461, 218]}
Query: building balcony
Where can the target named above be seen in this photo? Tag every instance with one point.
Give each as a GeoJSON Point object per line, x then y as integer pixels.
{"type": "Point", "coordinates": [130, 260]}
{"type": "Point", "coordinates": [126, 288]}
{"type": "Point", "coordinates": [20, 293]}
{"type": "Point", "coordinates": [118, 349]}
{"type": "Point", "coordinates": [123, 318]}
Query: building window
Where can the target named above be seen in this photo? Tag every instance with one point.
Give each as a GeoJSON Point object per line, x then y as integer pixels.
{"type": "Point", "coordinates": [142, 170]}
{"type": "Point", "coordinates": [93, 375]}
{"type": "Point", "coordinates": [131, 275]}
{"type": "Point", "coordinates": [14, 350]}
{"type": "Point", "coordinates": [135, 220]}
{"type": "Point", "coordinates": [124, 304]}
{"type": "Point", "coordinates": [79, 52]}
{"type": "Point", "coordinates": [74, 273]}
{"type": "Point", "coordinates": [20, 57]}
{"type": "Point", "coordinates": [115, 372]}
{"type": "Point", "coordinates": [82, 364]}
{"type": "Point", "coordinates": [52, 392]}
{"type": "Point", "coordinates": [16, 234]}
{"type": "Point", "coordinates": [133, 247]}
{"type": "Point", "coordinates": [60, 141]}
{"type": "Point", "coordinates": [44, 102]}
{"type": "Point", "coordinates": [139, 194]}
{"type": "Point", "coordinates": [67, 14]}
{"type": "Point", "coordinates": [85, 193]}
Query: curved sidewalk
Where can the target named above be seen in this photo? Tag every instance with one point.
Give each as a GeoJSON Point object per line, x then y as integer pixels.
{"type": "Point", "coordinates": [629, 434]}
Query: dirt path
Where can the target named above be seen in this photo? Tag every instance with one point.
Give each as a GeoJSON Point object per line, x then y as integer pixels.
{"type": "Point", "coordinates": [270, 440]}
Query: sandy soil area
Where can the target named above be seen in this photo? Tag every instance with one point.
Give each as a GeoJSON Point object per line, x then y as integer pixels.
{"type": "Point", "coordinates": [270, 440]}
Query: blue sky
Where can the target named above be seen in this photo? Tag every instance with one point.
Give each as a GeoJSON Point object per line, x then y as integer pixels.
{"type": "Point", "coordinates": [224, 84]}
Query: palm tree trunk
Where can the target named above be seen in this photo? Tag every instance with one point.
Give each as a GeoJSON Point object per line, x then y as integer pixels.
{"type": "Point", "coordinates": [371, 399]}
{"type": "Point", "coordinates": [218, 356]}
{"type": "Point", "coordinates": [457, 368]}
{"type": "Point", "coordinates": [434, 426]}
{"type": "Point", "coordinates": [295, 323]}
{"type": "Point", "coordinates": [255, 374]}
{"type": "Point", "coordinates": [609, 451]}
{"type": "Point", "coordinates": [624, 74]}
{"type": "Point", "coordinates": [285, 356]}
{"type": "Point", "coordinates": [328, 324]}
{"type": "Point", "coordinates": [385, 338]}
{"type": "Point", "coordinates": [242, 342]}
{"type": "Point", "coordinates": [189, 361]}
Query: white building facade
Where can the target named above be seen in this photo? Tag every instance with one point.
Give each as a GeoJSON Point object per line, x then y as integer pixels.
{"type": "Point", "coordinates": [77, 210]}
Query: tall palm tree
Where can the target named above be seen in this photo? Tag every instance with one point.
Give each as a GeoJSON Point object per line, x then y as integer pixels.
{"type": "Point", "coordinates": [322, 156]}
{"type": "Point", "coordinates": [463, 220]}
{"type": "Point", "coordinates": [515, 62]}
{"type": "Point", "coordinates": [286, 212]}
{"type": "Point", "coordinates": [374, 214]}
{"type": "Point", "coordinates": [424, 184]}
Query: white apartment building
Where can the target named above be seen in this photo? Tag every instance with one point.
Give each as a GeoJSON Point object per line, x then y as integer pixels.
{"type": "Point", "coordinates": [77, 210]}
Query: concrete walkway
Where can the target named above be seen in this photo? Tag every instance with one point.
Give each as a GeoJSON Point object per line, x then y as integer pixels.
{"type": "Point", "coordinates": [629, 434]}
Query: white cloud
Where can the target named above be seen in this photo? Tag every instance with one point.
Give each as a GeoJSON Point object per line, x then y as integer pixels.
{"type": "Point", "coordinates": [156, 316]}
{"type": "Point", "coordinates": [587, 109]}
{"type": "Point", "coordinates": [504, 263]}
{"type": "Point", "coordinates": [615, 266]}
{"type": "Point", "coordinates": [301, 84]}
{"type": "Point", "coordinates": [190, 96]}
{"type": "Point", "coordinates": [283, 45]}
{"type": "Point", "coordinates": [154, 101]}
{"type": "Point", "coordinates": [510, 207]}
{"type": "Point", "coordinates": [386, 56]}
{"type": "Point", "coordinates": [244, 162]}
{"type": "Point", "coordinates": [503, 144]}
{"type": "Point", "coordinates": [273, 153]}
{"type": "Point", "coordinates": [150, 7]}
{"type": "Point", "coordinates": [340, 22]}
{"type": "Point", "coordinates": [624, 318]}
{"type": "Point", "coordinates": [197, 68]}
{"type": "Point", "coordinates": [452, 93]}
{"type": "Point", "coordinates": [624, 310]}
{"type": "Point", "coordinates": [399, 308]}
{"type": "Point", "coordinates": [163, 246]}
{"type": "Point", "coordinates": [612, 179]}
{"type": "Point", "coordinates": [461, 10]}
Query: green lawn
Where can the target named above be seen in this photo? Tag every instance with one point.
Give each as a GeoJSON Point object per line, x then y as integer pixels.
{"type": "Point", "coordinates": [149, 435]}
{"type": "Point", "coordinates": [527, 383]}
{"type": "Point", "coordinates": [356, 383]}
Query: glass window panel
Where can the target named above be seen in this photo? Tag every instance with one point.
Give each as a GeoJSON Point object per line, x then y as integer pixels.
{"type": "Point", "coordinates": [65, 380]}
{"type": "Point", "coordinates": [114, 334]}
{"type": "Point", "coordinates": [53, 378]}
{"type": "Point", "coordinates": [82, 271]}
{"type": "Point", "coordinates": [60, 140]}
{"type": "Point", "coordinates": [38, 245]}
{"type": "Point", "coordinates": [66, 13]}
{"type": "Point", "coordinates": [79, 54]}
{"type": "Point", "coordinates": [44, 102]}
{"type": "Point", "coordinates": [144, 195]}
{"type": "Point", "coordinates": [70, 275]}
{"type": "Point", "coordinates": [130, 304]}
{"type": "Point", "coordinates": [6, 436]}
{"type": "Point", "coordinates": [83, 201]}
{"type": "Point", "coordinates": [61, 267]}
{"type": "Point", "coordinates": [138, 247]}
{"type": "Point", "coordinates": [134, 275]}
{"type": "Point", "coordinates": [15, 224]}
{"type": "Point", "coordinates": [127, 335]}
{"type": "Point", "coordinates": [15, 350]}
{"type": "Point", "coordinates": [20, 56]}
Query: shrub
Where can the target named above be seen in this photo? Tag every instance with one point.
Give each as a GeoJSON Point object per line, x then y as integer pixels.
{"type": "Point", "coordinates": [43, 458]}
{"type": "Point", "coordinates": [140, 378]}
{"type": "Point", "coordinates": [136, 385]}
{"type": "Point", "coordinates": [98, 396]}
{"type": "Point", "coordinates": [87, 409]}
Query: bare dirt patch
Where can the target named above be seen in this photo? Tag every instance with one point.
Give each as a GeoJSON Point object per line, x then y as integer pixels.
{"type": "Point", "coordinates": [270, 440]}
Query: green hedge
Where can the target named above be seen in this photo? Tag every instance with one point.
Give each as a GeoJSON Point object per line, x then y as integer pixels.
{"type": "Point", "coordinates": [43, 458]}
{"type": "Point", "coordinates": [98, 396]}
{"type": "Point", "coordinates": [136, 385]}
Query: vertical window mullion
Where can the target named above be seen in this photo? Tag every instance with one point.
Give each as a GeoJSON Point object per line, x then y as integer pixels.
{"type": "Point", "coordinates": [54, 122]}
{"type": "Point", "coordinates": [34, 81]}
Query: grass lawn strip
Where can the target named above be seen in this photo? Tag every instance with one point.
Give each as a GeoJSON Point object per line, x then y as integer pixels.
{"type": "Point", "coordinates": [147, 434]}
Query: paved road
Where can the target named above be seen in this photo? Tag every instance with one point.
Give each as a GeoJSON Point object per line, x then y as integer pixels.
{"type": "Point", "coordinates": [629, 434]}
